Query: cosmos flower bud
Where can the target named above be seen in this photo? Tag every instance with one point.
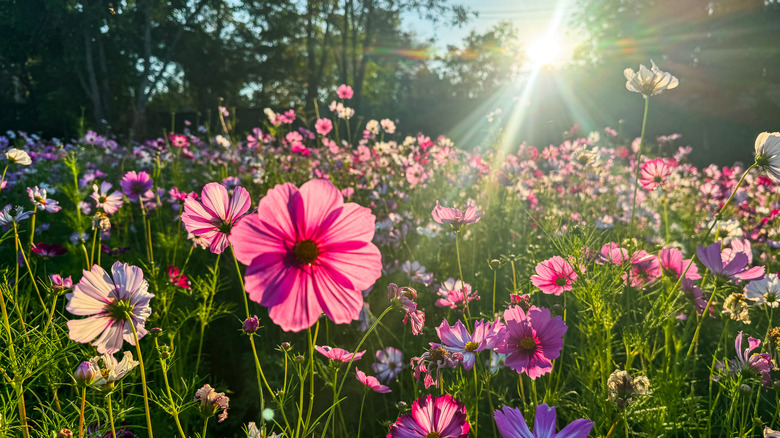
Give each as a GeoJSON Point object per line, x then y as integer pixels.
{"type": "Point", "coordinates": [286, 346]}
{"type": "Point", "coordinates": [402, 405]}
{"type": "Point", "coordinates": [298, 359]}
{"type": "Point", "coordinates": [86, 373]}
{"type": "Point", "coordinates": [156, 331]}
{"type": "Point", "coordinates": [165, 352]}
{"type": "Point", "coordinates": [251, 324]}
{"type": "Point", "coordinates": [65, 433]}
{"type": "Point", "coordinates": [494, 264]}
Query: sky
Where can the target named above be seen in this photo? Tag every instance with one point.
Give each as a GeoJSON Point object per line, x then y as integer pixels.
{"type": "Point", "coordinates": [532, 18]}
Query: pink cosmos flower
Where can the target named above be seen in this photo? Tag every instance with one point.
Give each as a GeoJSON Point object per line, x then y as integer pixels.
{"type": "Point", "coordinates": [177, 278]}
{"type": "Point", "coordinates": [511, 424]}
{"type": "Point", "coordinates": [110, 203]}
{"type": "Point", "coordinates": [673, 264]}
{"type": "Point", "coordinates": [654, 173]}
{"type": "Point", "coordinates": [456, 295]}
{"type": "Point", "coordinates": [178, 140]}
{"type": "Point", "coordinates": [308, 252]}
{"type": "Point", "coordinates": [455, 217]}
{"type": "Point", "coordinates": [555, 275]}
{"type": "Point", "coordinates": [344, 92]}
{"type": "Point", "coordinates": [339, 354]}
{"type": "Point", "coordinates": [532, 340]}
{"type": "Point", "coordinates": [371, 382]}
{"type": "Point", "coordinates": [645, 268]}
{"type": "Point", "coordinates": [59, 284]}
{"type": "Point", "coordinates": [389, 363]}
{"type": "Point", "coordinates": [112, 303]}
{"type": "Point", "coordinates": [612, 253]}
{"type": "Point", "coordinates": [443, 417]}
{"type": "Point", "coordinates": [759, 364]}
{"type": "Point", "coordinates": [210, 401]}
{"type": "Point", "coordinates": [39, 199]}
{"type": "Point", "coordinates": [215, 217]}
{"type": "Point", "coordinates": [323, 126]}
{"type": "Point", "coordinates": [135, 184]}
{"type": "Point", "coordinates": [456, 339]}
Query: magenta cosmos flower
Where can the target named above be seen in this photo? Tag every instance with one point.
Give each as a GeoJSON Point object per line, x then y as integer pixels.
{"type": "Point", "coordinates": [135, 184]}
{"type": "Point", "coordinates": [511, 424]}
{"type": "Point", "coordinates": [555, 275]}
{"type": "Point", "coordinates": [214, 217]}
{"type": "Point", "coordinates": [371, 382]}
{"type": "Point", "coordinates": [532, 340]}
{"type": "Point", "coordinates": [308, 252]}
{"type": "Point", "coordinates": [456, 218]}
{"type": "Point", "coordinates": [112, 303]}
{"type": "Point", "coordinates": [339, 354]}
{"type": "Point", "coordinates": [673, 264]}
{"type": "Point", "coordinates": [443, 417]}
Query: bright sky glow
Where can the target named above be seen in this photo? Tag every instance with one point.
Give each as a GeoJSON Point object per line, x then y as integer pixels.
{"type": "Point", "coordinates": [546, 51]}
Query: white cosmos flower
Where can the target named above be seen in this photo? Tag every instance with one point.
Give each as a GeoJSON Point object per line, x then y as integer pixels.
{"type": "Point", "coordinates": [768, 153]}
{"type": "Point", "coordinates": [764, 291]}
{"type": "Point", "coordinates": [649, 82]}
{"type": "Point", "coordinates": [18, 156]}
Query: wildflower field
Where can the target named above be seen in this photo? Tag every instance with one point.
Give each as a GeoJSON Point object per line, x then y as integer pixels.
{"type": "Point", "coordinates": [326, 276]}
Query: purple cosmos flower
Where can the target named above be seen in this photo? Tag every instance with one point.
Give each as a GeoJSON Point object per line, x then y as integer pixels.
{"type": "Point", "coordinates": [389, 363]}
{"type": "Point", "coordinates": [443, 417]}
{"type": "Point", "coordinates": [456, 339]}
{"type": "Point", "coordinates": [135, 184]}
{"type": "Point", "coordinates": [7, 218]}
{"type": "Point", "coordinates": [371, 382]}
{"type": "Point", "coordinates": [734, 266]}
{"type": "Point", "coordinates": [555, 275]}
{"type": "Point", "coordinates": [109, 202]}
{"type": "Point", "coordinates": [112, 303]}
{"type": "Point", "coordinates": [532, 339]}
{"type": "Point", "coordinates": [759, 364]}
{"type": "Point", "coordinates": [511, 424]}
{"type": "Point", "coordinates": [339, 354]}
{"type": "Point", "coordinates": [455, 217]}
{"type": "Point", "coordinates": [214, 218]}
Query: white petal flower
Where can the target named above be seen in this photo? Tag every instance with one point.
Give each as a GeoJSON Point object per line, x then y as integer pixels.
{"type": "Point", "coordinates": [17, 156]}
{"type": "Point", "coordinates": [768, 153]}
{"type": "Point", "coordinates": [764, 291]}
{"type": "Point", "coordinates": [649, 82]}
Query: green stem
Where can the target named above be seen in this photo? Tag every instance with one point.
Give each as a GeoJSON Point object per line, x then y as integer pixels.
{"type": "Point", "coordinates": [110, 414]}
{"type": "Point", "coordinates": [476, 402]}
{"type": "Point", "coordinates": [638, 166]}
{"type": "Point", "coordinates": [175, 410]}
{"type": "Point", "coordinates": [349, 365]}
{"type": "Point", "coordinates": [32, 224]}
{"type": "Point", "coordinates": [143, 376]}
{"type": "Point", "coordinates": [360, 418]}
{"type": "Point", "coordinates": [81, 412]}
{"type": "Point", "coordinates": [29, 268]}
{"type": "Point", "coordinates": [205, 426]}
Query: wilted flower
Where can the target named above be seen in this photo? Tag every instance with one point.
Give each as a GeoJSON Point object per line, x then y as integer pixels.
{"type": "Point", "coordinates": [735, 306]}
{"type": "Point", "coordinates": [432, 362]}
{"type": "Point", "coordinates": [768, 153]}
{"type": "Point", "coordinates": [211, 401]}
{"type": "Point", "coordinates": [756, 364]}
{"type": "Point", "coordinates": [65, 433]}
{"type": "Point", "coordinates": [623, 388]}
{"type": "Point", "coordinates": [112, 370]}
{"type": "Point", "coordinates": [649, 82]}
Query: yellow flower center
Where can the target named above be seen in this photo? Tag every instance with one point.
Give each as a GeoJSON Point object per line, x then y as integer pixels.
{"type": "Point", "coordinates": [528, 344]}
{"type": "Point", "coordinates": [471, 346]}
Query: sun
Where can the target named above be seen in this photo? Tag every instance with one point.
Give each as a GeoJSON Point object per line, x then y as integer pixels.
{"type": "Point", "coordinates": [545, 51]}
